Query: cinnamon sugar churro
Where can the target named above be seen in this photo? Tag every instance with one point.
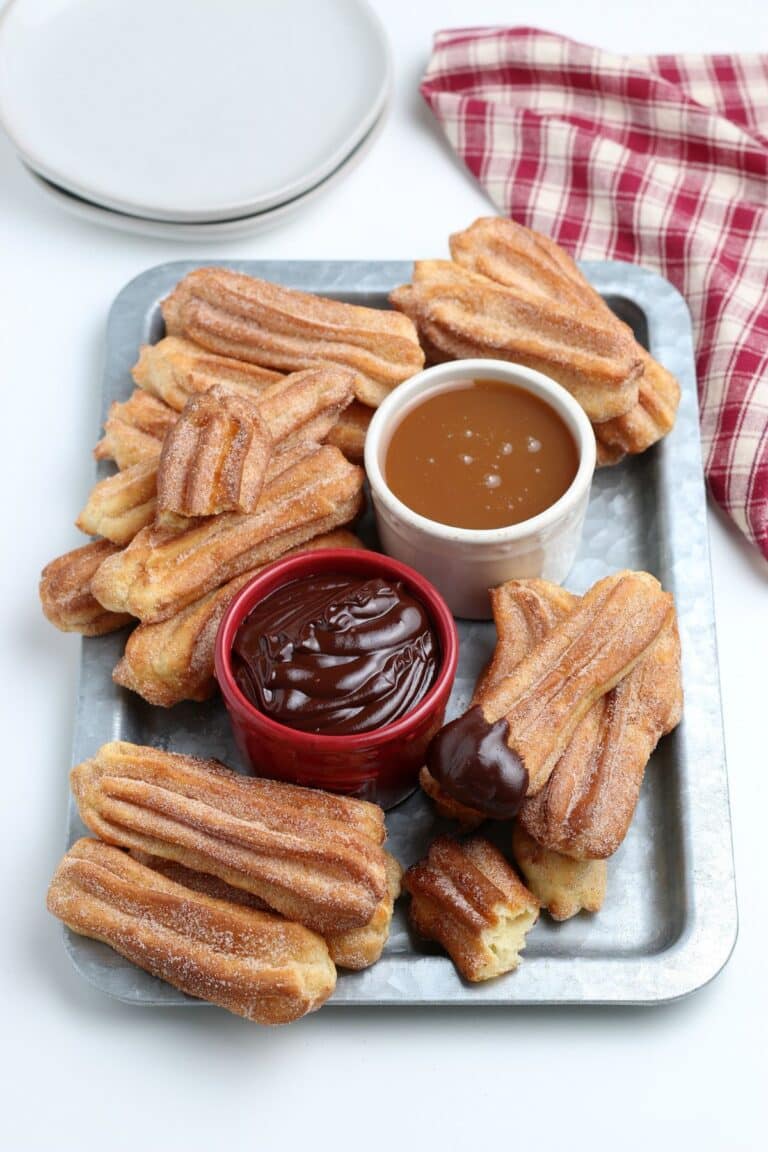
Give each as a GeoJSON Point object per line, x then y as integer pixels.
{"type": "Point", "coordinates": [253, 963]}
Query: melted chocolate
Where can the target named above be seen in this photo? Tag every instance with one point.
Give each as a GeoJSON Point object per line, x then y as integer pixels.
{"type": "Point", "coordinates": [472, 761]}
{"type": "Point", "coordinates": [336, 654]}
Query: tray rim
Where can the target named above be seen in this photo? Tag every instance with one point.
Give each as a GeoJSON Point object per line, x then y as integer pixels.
{"type": "Point", "coordinates": [705, 945]}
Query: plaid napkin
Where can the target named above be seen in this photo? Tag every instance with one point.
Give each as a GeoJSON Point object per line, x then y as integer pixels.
{"type": "Point", "coordinates": [660, 160]}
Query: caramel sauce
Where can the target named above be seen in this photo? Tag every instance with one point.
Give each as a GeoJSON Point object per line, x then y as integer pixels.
{"type": "Point", "coordinates": [483, 455]}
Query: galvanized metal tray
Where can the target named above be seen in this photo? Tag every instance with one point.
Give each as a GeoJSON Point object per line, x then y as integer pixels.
{"type": "Point", "coordinates": [669, 920]}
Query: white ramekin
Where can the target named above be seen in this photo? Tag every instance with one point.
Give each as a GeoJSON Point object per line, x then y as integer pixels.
{"type": "Point", "coordinates": [463, 563]}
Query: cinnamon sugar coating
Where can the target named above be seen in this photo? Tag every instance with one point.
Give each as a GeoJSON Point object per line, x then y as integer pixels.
{"type": "Point", "coordinates": [174, 370]}
{"type": "Point", "coordinates": [250, 962]}
{"type": "Point", "coordinates": [135, 429]}
{"type": "Point", "coordinates": [286, 330]}
{"type": "Point", "coordinates": [460, 314]}
{"type": "Point", "coordinates": [173, 660]}
{"type": "Point", "coordinates": [551, 690]}
{"type": "Point", "coordinates": [65, 592]}
{"type": "Point", "coordinates": [162, 571]}
{"type": "Point", "coordinates": [314, 857]}
{"type": "Point", "coordinates": [215, 457]}
{"type": "Point", "coordinates": [519, 258]}
{"type": "Point", "coordinates": [585, 808]}
{"type": "Point", "coordinates": [355, 949]}
{"type": "Point", "coordinates": [299, 411]}
{"type": "Point", "coordinates": [119, 506]}
{"type": "Point", "coordinates": [349, 432]}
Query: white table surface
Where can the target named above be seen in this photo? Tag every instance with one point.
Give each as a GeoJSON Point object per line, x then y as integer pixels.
{"type": "Point", "coordinates": [81, 1071]}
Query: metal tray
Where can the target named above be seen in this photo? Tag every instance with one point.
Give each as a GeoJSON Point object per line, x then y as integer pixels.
{"type": "Point", "coordinates": [669, 920]}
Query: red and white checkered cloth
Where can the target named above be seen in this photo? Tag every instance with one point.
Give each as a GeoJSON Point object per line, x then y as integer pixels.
{"type": "Point", "coordinates": [660, 160]}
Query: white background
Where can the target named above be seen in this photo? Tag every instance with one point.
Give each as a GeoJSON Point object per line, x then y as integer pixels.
{"type": "Point", "coordinates": [84, 1072]}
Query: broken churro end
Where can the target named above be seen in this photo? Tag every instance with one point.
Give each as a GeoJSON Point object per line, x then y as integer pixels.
{"type": "Point", "coordinates": [564, 886]}
{"type": "Point", "coordinates": [469, 899]}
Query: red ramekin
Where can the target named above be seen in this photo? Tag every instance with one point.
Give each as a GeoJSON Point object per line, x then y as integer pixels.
{"type": "Point", "coordinates": [381, 765]}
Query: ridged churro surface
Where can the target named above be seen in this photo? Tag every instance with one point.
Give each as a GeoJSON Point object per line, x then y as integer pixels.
{"type": "Point", "coordinates": [253, 963]}
{"type": "Point", "coordinates": [314, 857]}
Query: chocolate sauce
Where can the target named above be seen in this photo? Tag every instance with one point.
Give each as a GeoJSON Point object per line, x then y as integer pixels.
{"type": "Point", "coordinates": [472, 761]}
{"type": "Point", "coordinates": [336, 654]}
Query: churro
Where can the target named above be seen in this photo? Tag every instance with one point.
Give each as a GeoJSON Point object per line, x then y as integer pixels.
{"type": "Point", "coordinates": [162, 571]}
{"type": "Point", "coordinates": [468, 898]}
{"type": "Point", "coordinates": [280, 328]}
{"type": "Point", "coordinates": [253, 963]}
{"type": "Point", "coordinates": [314, 857]}
{"type": "Point", "coordinates": [65, 592]}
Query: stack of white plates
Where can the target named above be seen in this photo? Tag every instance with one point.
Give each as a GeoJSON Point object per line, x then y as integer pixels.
{"type": "Point", "coordinates": [192, 119]}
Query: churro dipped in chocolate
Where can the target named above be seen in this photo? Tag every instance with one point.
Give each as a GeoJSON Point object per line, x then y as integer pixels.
{"type": "Point", "coordinates": [173, 660]}
{"type": "Point", "coordinates": [519, 258]}
{"type": "Point", "coordinates": [162, 571]}
{"type": "Point", "coordinates": [280, 328]}
{"type": "Point", "coordinates": [586, 807]}
{"type": "Point", "coordinates": [459, 314]}
{"type": "Point", "coordinates": [355, 949]}
{"type": "Point", "coordinates": [65, 592]}
{"type": "Point", "coordinates": [468, 898]}
{"type": "Point", "coordinates": [135, 429]}
{"type": "Point", "coordinates": [250, 962]}
{"type": "Point", "coordinates": [447, 806]}
{"type": "Point", "coordinates": [506, 746]}
{"type": "Point", "coordinates": [174, 370]}
{"type": "Point", "coordinates": [314, 857]}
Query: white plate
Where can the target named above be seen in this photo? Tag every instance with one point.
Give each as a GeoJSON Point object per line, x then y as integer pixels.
{"type": "Point", "coordinates": [189, 110]}
{"type": "Point", "coordinates": [219, 230]}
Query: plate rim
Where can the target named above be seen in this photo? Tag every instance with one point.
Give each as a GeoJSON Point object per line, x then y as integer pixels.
{"type": "Point", "coordinates": [240, 209]}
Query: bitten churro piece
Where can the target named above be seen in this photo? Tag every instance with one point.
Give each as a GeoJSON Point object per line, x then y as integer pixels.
{"type": "Point", "coordinates": [162, 571]}
{"type": "Point", "coordinates": [173, 660]}
{"type": "Point", "coordinates": [468, 898]}
{"type": "Point", "coordinates": [546, 695]}
{"type": "Point", "coordinates": [65, 592]}
{"type": "Point", "coordinates": [358, 948]}
{"type": "Point", "coordinates": [120, 506]}
{"type": "Point", "coordinates": [215, 457]}
{"type": "Point", "coordinates": [174, 370]}
{"type": "Point", "coordinates": [280, 328]}
{"type": "Point", "coordinates": [253, 963]}
{"type": "Point", "coordinates": [350, 430]}
{"type": "Point", "coordinates": [445, 805]}
{"type": "Point", "coordinates": [314, 857]}
{"type": "Point", "coordinates": [562, 885]}
{"type": "Point", "coordinates": [135, 429]}
{"type": "Point", "coordinates": [459, 313]}
{"type": "Point", "coordinates": [517, 257]}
